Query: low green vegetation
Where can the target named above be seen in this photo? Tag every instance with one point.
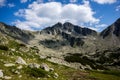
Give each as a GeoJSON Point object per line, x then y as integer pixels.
{"type": "Point", "coordinates": [3, 47]}
{"type": "Point", "coordinates": [84, 60]}
{"type": "Point", "coordinates": [36, 72]}
{"type": "Point", "coordinates": [105, 75]}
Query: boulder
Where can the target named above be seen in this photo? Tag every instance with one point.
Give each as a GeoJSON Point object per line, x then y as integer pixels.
{"type": "Point", "coordinates": [21, 61]}
{"type": "Point", "coordinates": [1, 74]}
{"type": "Point", "coordinates": [45, 67]}
{"type": "Point", "coordinates": [34, 65]}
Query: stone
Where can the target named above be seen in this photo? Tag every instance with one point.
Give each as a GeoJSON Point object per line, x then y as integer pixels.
{"type": "Point", "coordinates": [51, 69]}
{"type": "Point", "coordinates": [56, 75]}
{"type": "Point", "coordinates": [12, 49]}
{"type": "Point", "coordinates": [38, 78]}
{"type": "Point", "coordinates": [21, 61]}
{"type": "Point", "coordinates": [9, 65]}
{"type": "Point", "coordinates": [45, 67]}
{"type": "Point", "coordinates": [48, 76]}
{"type": "Point", "coordinates": [42, 57]}
{"type": "Point", "coordinates": [20, 76]}
{"type": "Point", "coordinates": [34, 65]}
{"type": "Point", "coordinates": [19, 67]}
{"type": "Point", "coordinates": [17, 72]}
{"type": "Point", "coordinates": [7, 77]}
{"type": "Point", "coordinates": [1, 74]}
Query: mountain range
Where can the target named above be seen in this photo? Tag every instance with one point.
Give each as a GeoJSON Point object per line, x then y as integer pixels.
{"type": "Point", "coordinates": [69, 43]}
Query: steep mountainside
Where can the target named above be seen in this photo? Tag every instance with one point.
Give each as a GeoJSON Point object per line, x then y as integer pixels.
{"type": "Point", "coordinates": [111, 35]}
{"type": "Point", "coordinates": [15, 32]}
{"type": "Point", "coordinates": [112, 30]}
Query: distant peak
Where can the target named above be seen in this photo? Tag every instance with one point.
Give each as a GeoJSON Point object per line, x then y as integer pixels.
{"type": "Point", "coordinates": [59, 24]}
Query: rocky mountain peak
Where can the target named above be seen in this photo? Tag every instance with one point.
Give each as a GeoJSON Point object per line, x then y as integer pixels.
{"type": "Point", "coordinates": [112, 30]}
{"type": "Point", "coordinates": [68, 27]}
{"type": "Point", "coordinates": [59, 25]}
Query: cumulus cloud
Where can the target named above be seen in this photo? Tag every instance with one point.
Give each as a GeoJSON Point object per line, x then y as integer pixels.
{"type": "Point", "coordinates": [23, 1]}
{"type": "Point", "coordinates": [118, 8]}
{"type": "Point", "coordinates": [11, 5]}
{"type": "Point", "coordinates": [105, 1]}
{"type": "Point", "coordinates": [40, 15]}
{"type": "Point", "coordinates": [99, 27]}
{"type": "Point", "coordinates": [2, 3]}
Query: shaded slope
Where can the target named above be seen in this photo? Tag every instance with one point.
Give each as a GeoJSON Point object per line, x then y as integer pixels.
{"type": "Point", "coordinates": [15, 32]}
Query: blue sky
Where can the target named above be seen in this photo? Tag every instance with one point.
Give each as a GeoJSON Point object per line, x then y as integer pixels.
{"type": "Point", "coordinates": [38, 14]}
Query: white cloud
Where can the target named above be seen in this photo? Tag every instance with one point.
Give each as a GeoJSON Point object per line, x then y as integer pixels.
{"type": "Point", "coordinates": [40, 15]}
{"type": "Point", "coordinates": [118, 8]}
{"type": "Point", "coordinates": [11, 5]}
{"type": "Point", "coordinates": [23, 1]}
{"type": "Point", "coordinates": [73, 1]}
{"type": "Point", "coordinates": [2, 3]}
{"type": "Point", "coordinates": [99, 27]}
{"type": "Point", "coordinates": [105, 1]}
